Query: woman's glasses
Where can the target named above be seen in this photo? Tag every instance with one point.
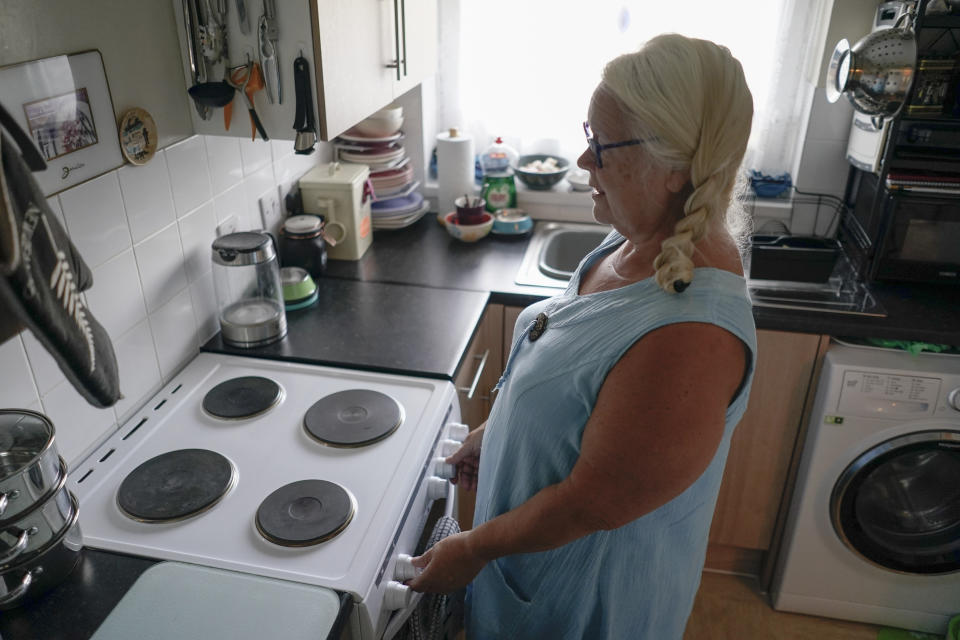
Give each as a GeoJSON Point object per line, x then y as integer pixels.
{"type": "Point", "coordinates": [594, 143]}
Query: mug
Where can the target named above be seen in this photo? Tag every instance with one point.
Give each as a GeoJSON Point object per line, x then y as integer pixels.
{"type": "Point", "coordinates": [470, 210]}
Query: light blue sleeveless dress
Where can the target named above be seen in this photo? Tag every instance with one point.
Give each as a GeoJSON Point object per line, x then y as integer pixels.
{"type": "Point", "coordinates": [637, 581]}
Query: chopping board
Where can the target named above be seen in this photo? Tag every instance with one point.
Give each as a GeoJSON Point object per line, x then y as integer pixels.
{"type": "Point", "coordinates": [179, 600]}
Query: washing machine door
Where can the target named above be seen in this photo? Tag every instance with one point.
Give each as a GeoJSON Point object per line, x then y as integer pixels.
{"type": "Point", "coordinates": [897, 505]}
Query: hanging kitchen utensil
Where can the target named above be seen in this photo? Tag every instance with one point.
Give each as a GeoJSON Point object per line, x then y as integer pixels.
{"type": "Point", "coordinates": [268, 58]}
{"type": "Point", "coordinates": [248, 79]}
{"type": "Point", "coordinates": [303, 121]}
{"type": "Point", "coordinates": [273, 35]}
{"type": "Point", "coordinates": [197, 70]}
{"type": "Point", "coordinates": [877, 72]}
{"type": "Point", "coordinates": [243, 17]}
{"type": "Point", "coordinates": [213, 33]}
{"type": "Point", "coordinates": [212, 94]}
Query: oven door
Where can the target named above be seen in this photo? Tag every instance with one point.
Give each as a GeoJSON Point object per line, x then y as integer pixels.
{"type": "Point", "coordinates": [897, 505]}
{"type": "Point", "coordinates": [921, 242]}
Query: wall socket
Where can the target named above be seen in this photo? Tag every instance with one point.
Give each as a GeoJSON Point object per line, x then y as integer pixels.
{"type": "Point", "coordinates": [229, 225]}
{"type": "Point", "coordinates": [271, 215]}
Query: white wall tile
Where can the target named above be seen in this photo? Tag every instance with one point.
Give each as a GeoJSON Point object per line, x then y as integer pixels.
{"type": "Point", "coordinates": [54, 203]}
{"type": "Point", "coordinates": [17, 389]}
{"type": "Point", "coordinates": [197, 231]}
{"type": "Point", "coordinates": [223, 159]}
{"type": "Point", "coordinates": [46, 371]}
{"type": "Point", "coordinates": [174, 334]}
{"type": "Point", "coordinates": [147, 197]}
{"type": "Point", "coordinates": [204, 298]}
{"type": "Point", "coordinates": [189, 176]}
{"type": "Point", "coordinates": [79, 425]}
{"type": "Point", "coordinates": [232, 202]}
{"type": "Point", "coordinates": [280, 149]}
{"type": "Point", "coordinates": [160, 262]}
{"type": "Point", "coordinates": [96, 219]}
{"type": "Point", "coordinates": [255, 155]}
{"type": "Point", "coordinates": [115, 299]}
{"type": "Point", "coordinates": [139, 370]}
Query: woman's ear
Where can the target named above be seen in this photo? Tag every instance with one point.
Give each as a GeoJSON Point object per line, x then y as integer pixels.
{"type": "Point", "coordinates": [677, 181]}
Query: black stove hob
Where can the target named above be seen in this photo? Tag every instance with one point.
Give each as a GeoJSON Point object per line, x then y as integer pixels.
{"type": "Point", "coordinates": [242, 397]}
{"type": "Point", "coordinates": [304, 513]}
{"type": "Point", "coordinates": [353, 418]}
{"type": "Point", "coordinates": [175, 485]}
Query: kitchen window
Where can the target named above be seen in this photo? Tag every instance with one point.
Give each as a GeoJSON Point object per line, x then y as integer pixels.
{"type": "Point", "coordinates": [526, 70]}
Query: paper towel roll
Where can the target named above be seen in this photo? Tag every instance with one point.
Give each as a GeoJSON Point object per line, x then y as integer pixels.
{"type": "Point", "coordinates": [455, 168]}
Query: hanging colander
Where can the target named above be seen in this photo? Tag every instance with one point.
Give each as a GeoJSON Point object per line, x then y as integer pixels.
{"type": "Point", "coordinates": [876, 73]}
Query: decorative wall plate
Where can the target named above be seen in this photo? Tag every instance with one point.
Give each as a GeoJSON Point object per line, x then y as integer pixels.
{"type": "Point", "coordinates": [138, 136]}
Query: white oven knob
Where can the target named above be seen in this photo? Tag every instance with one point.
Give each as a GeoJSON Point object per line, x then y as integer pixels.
{"type": "Point", "coordinates": [397, 596]}
{"type": "Point", "coordinates": [403, 568]}
{"type": "Point", "coordinates": [442, 469]}
{"type": "Point", "coordinates": [437, 488]}
{"type": "Point", "coordinates": [954, 399]}
{"type": "Point", "coordinates": [457, 431]}
{"type": "Point", "coordinates": [448, 447]}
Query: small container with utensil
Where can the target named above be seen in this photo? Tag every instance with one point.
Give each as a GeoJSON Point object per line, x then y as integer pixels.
{"type": "Point", "coordinates": [246, 277]}
{"type": "Point", "coordinates": [470, 210]}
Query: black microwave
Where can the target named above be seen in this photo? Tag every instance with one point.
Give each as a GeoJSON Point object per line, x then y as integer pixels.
{"type": "Point", "coordinates": [905, 235]}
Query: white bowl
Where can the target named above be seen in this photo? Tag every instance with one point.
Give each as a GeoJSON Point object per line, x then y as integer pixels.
{"type": "Point", "coordinates": [579, 179]}
{"type": "Point", "coordinates": [379, 126]}
{"type": "Point", "coordinates": [467, 232]}
{"type": "Point", "coordinates": [393, 111]}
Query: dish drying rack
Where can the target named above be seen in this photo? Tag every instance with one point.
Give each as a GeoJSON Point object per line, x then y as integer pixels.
{"type": "Point", "coordinates": [842, 291]}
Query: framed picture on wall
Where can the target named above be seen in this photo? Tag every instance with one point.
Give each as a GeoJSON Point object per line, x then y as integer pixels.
{"type": "Point", "coordinates": [64, 104]}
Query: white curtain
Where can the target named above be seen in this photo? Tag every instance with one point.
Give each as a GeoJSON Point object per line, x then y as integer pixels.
{"type": "Point", "coordinates": [525, 69]}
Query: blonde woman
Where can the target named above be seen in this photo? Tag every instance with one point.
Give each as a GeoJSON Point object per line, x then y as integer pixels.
{"type": "Point", "coordinates": [605, 447]}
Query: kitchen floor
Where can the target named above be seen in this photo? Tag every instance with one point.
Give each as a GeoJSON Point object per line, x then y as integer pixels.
{"type": "Point", "coordinates": [730, 607]}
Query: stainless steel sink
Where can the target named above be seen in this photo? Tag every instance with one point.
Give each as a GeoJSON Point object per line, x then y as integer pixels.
{"type": "Point", "coordinates": [555, 250]}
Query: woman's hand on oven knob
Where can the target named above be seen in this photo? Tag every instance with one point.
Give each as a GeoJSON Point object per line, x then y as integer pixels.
{"type": "Point", "coordinates": [443, 469]}
{"type": "Point", "coordinates": [467, 459]}
{"type": "Point", "coordinates": [403, 568]}
{"type": "Point", "coordinates": [448, 565]}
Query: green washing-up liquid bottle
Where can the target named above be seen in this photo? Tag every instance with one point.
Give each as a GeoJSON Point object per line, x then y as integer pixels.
{"type": "Point", "coordinates": [499, 190]}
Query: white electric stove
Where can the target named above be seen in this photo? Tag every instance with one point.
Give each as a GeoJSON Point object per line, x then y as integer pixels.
{"type": "Point", "coordinates": [381, 479]}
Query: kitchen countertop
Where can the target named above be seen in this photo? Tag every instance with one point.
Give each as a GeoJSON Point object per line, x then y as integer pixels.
{"type": "Point", "coordinates": [421, 331]}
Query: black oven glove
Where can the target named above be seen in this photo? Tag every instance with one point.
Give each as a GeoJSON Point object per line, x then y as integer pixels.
{"type": "Point", "coordinates": [42, 275]}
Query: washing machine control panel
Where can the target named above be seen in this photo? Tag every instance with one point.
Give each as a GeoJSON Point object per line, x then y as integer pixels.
{"type": "Point", "coordinates": [953, 399]}
{"type": "Point", "coordinates": [877, 394]}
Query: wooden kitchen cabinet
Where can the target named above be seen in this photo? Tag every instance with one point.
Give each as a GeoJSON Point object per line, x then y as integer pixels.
{"type": "Point", "coordinates": [350, 46]}
{"type": "Point", "coordinates": [755, 477]}
{"type": "Point", "coordinates": [479, 371]}
{"type": "Point", "coordinates": [354, 41]}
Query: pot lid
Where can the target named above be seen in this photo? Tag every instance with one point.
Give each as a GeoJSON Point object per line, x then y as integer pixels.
{"type": "Point", "coordinates": [301, 224]}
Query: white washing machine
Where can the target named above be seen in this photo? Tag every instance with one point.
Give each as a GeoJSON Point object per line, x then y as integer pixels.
{"type": "Point", "coordinates": [873, 533]}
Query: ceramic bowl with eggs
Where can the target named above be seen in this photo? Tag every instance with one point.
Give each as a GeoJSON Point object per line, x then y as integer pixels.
{"type": "Point", "coordinates": [541, 171]}
{"type": "Point", "coordinates": [467, 232]}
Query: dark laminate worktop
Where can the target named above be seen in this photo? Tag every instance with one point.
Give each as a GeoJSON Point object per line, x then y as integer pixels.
{"type": "Point", "coordinates": [425, 255]}
{"type": "Point", "coordinates": [422, 331]}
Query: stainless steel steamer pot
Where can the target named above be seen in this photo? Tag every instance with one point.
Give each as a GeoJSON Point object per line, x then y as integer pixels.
{"type": "Point", "coordinates": [29, 462]}
{"type": "Point", "coordinates": [32, 576]}
{"type": "Point", "coordinates": [32, 530]}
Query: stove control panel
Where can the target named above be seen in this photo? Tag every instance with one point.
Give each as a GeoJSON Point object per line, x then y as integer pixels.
{"type": "Point", "coordinates": [403, 568]}
{"type": "Point", "coordinates": [442, 469]}
{"type": "Point", "coordinates": [457, 431]}
{"type": "Point", "coordinates": [397, 596]}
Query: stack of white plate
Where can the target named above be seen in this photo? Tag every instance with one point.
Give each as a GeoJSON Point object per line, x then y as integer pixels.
{"type": "Point", "coordinates": [398, 203]}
